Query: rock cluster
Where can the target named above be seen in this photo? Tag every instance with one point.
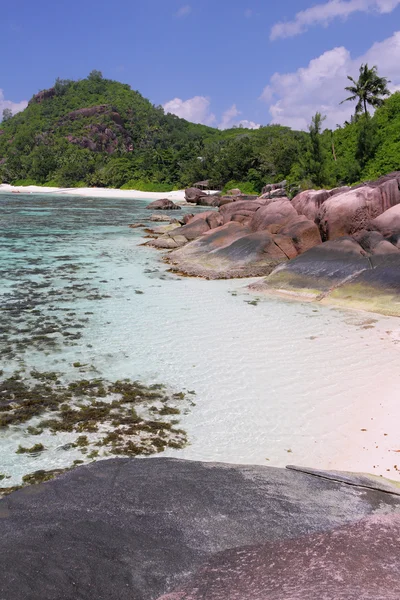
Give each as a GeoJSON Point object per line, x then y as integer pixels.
{"type": "Point", "coordinates": [172, 529]}
{"type": "Point", "coordinates": [359, 264]}
{"type": "Point", "coordinates": [244, 238]}
{"type": "Point", "coordinates": [274, 190]}
{"type": "Point", "coordinates": [341, 244]}
{"type": "Point", "coordinates": [196, 196]}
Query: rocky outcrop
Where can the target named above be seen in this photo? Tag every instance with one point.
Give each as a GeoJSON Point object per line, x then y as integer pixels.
{"type": "Point", "coordinates": [196, 196]}
{"type": "Point", "coordinates": [284, 571]}
{"type": "Point", "coordinates": [303, 232]}
{"type": "Point", "coordinates": [274, 190]}
{"type": "Point", "coordinates": [91, 111]}
{"type": "Point", "coordinates": [283, 240]}
{"type": "Point", "coordinates": [208, 200]}
{"type": "Point", "coordinates": [388, 223]}
{"type": "Point", "coordinates": [106, 134]}
{"type": "Point", "coordinates": [231, 211]}
{"type": "Point", "coordinates": [245, 239]}
{"type": "Point", "coordinates": [352, 211]}
{"type": "Point", "coordinates": [278, 212]}
{"type": "Point", "coordinates": [309, 202]}
{"type": "Point", "coordinates": [344, 211]}
{"type": "Point", "coordinates": [193, 195]}
{"type": "Point", "coordinates": [163, 204]}
{"type": "Point", "coordinates": [156, 218]}
{"type": "Point", "coordinates": [187, 229]}
{"type": "Point", "coordinates": [101, 531]}
{"type": "Point", "coordinates": [362, 272]}
{"type": "Point", "coordinates": [101, 138]}
{"type": "Point", "coordinates": [232, 250]}
{"type": "Point", "coordinates": [43, 95]}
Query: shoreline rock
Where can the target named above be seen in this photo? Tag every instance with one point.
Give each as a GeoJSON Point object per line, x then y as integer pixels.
{"type": "Point", "coordinates": [104, 528]}
{"type": "Point", "coordinates": [361, 275]}
{"type": "Point", "coordinates": [163, 204]}
{"type": "Point", "coordinates": [339, 246]}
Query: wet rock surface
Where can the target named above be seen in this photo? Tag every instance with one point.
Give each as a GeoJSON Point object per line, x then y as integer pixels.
{"type": "Point", "coordinates": [145, 529]}
{"type": "Point", "coordinates": [363, 274]}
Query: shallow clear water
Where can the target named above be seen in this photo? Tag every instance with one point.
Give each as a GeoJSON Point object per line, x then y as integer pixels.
{"type": "Point", "coordinates": [276, 383]}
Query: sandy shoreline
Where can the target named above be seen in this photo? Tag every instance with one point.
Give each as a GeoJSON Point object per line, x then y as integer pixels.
{"type": "Point", "coordinates": [176, 196]}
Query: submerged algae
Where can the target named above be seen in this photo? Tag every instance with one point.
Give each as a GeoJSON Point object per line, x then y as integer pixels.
{"type": "Point", "coordinates": [125, 417]}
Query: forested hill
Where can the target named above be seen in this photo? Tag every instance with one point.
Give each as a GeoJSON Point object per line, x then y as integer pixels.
{"type": "Point", "coordinates": [102, 133]}
{"type": "Point", "coordinates": [99, 132]}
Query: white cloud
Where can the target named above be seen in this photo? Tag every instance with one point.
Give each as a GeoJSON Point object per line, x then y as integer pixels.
{"type": "Point", "coordinates": [323, 14]}
{"type": "Point", "coordinates": [196, 109]}
{"type": "Point", "coordinates": [294, 98]}
{"type": "Point", "coordinates": [14, 106]}
{"type": "Point", "coordinates": [228, 118]}
{"type": "Point", "coordinates": [184, 11]}
{"type": "Point", "coordinates": [248, 124]}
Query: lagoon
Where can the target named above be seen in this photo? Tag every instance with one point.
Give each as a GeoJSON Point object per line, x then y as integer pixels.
{"type": "Point", "coordinates": [276, 382]}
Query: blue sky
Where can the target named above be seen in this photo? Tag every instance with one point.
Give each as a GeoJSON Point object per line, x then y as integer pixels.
{"type": "Point", "coordinates": [214, 61]}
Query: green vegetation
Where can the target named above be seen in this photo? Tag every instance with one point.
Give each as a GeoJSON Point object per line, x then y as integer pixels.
{"type": "Point", "coordinates": [34, 450]}
{"type": "Point", "coordinates": [99, 132]}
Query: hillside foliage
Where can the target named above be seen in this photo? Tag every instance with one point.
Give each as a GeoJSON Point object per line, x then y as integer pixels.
{"type": "Point", "coordinates": [98, 132]}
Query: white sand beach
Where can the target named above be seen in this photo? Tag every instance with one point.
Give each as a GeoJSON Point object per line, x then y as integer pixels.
{"type": "Point", "coordinates": [176, 196]}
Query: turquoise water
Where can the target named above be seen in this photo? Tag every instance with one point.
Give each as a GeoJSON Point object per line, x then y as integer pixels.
{"type": "Point", "coordinates": [276, 382]}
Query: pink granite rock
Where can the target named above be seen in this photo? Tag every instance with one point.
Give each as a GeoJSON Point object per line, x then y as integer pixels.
{"type": "Point", "coordinates": [280, 212]}
{"type": "Point", "coordinates": [388, 222]}
{"type": "Point", "coordinates": [309, 202]}
{"type": "Point", "coordinates": [356, 562]}
{"type": "Point", "coordinates": [192, 230]}
{"type": "Point", "coordinates": [228, 210]}
{"type": "Point", "coordinates": [345, 214]}
{"type": "Point", "coordinates": [304, 233]}
{"type": "Point", "coordinates": [193, 195]}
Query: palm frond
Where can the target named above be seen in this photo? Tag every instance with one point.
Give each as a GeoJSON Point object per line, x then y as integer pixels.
{"type": "Point", "coordinates": [349, 99]}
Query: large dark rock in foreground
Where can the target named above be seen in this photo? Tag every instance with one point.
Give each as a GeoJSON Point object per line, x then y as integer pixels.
{"type": "Point", "coordinates": [146, 528]}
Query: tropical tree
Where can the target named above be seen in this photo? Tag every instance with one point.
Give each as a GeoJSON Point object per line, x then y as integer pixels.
{"type": "Point", "coordinates": [315, 156]}
{"type": "Point", "coordinates": [368, 89]}
{"type": "Point", "coordinates": [7, 114]}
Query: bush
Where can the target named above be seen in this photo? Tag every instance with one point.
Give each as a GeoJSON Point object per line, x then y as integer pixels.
{"type": "Point", "coordinates": [246, 187]}
{"type": "Point", "coordinates": [52, 183]}
{"type": "Point", "coordinates": [25, 182]}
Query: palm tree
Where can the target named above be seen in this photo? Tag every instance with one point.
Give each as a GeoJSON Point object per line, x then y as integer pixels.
{"type": "Point", "coordinates": [368, 89]}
